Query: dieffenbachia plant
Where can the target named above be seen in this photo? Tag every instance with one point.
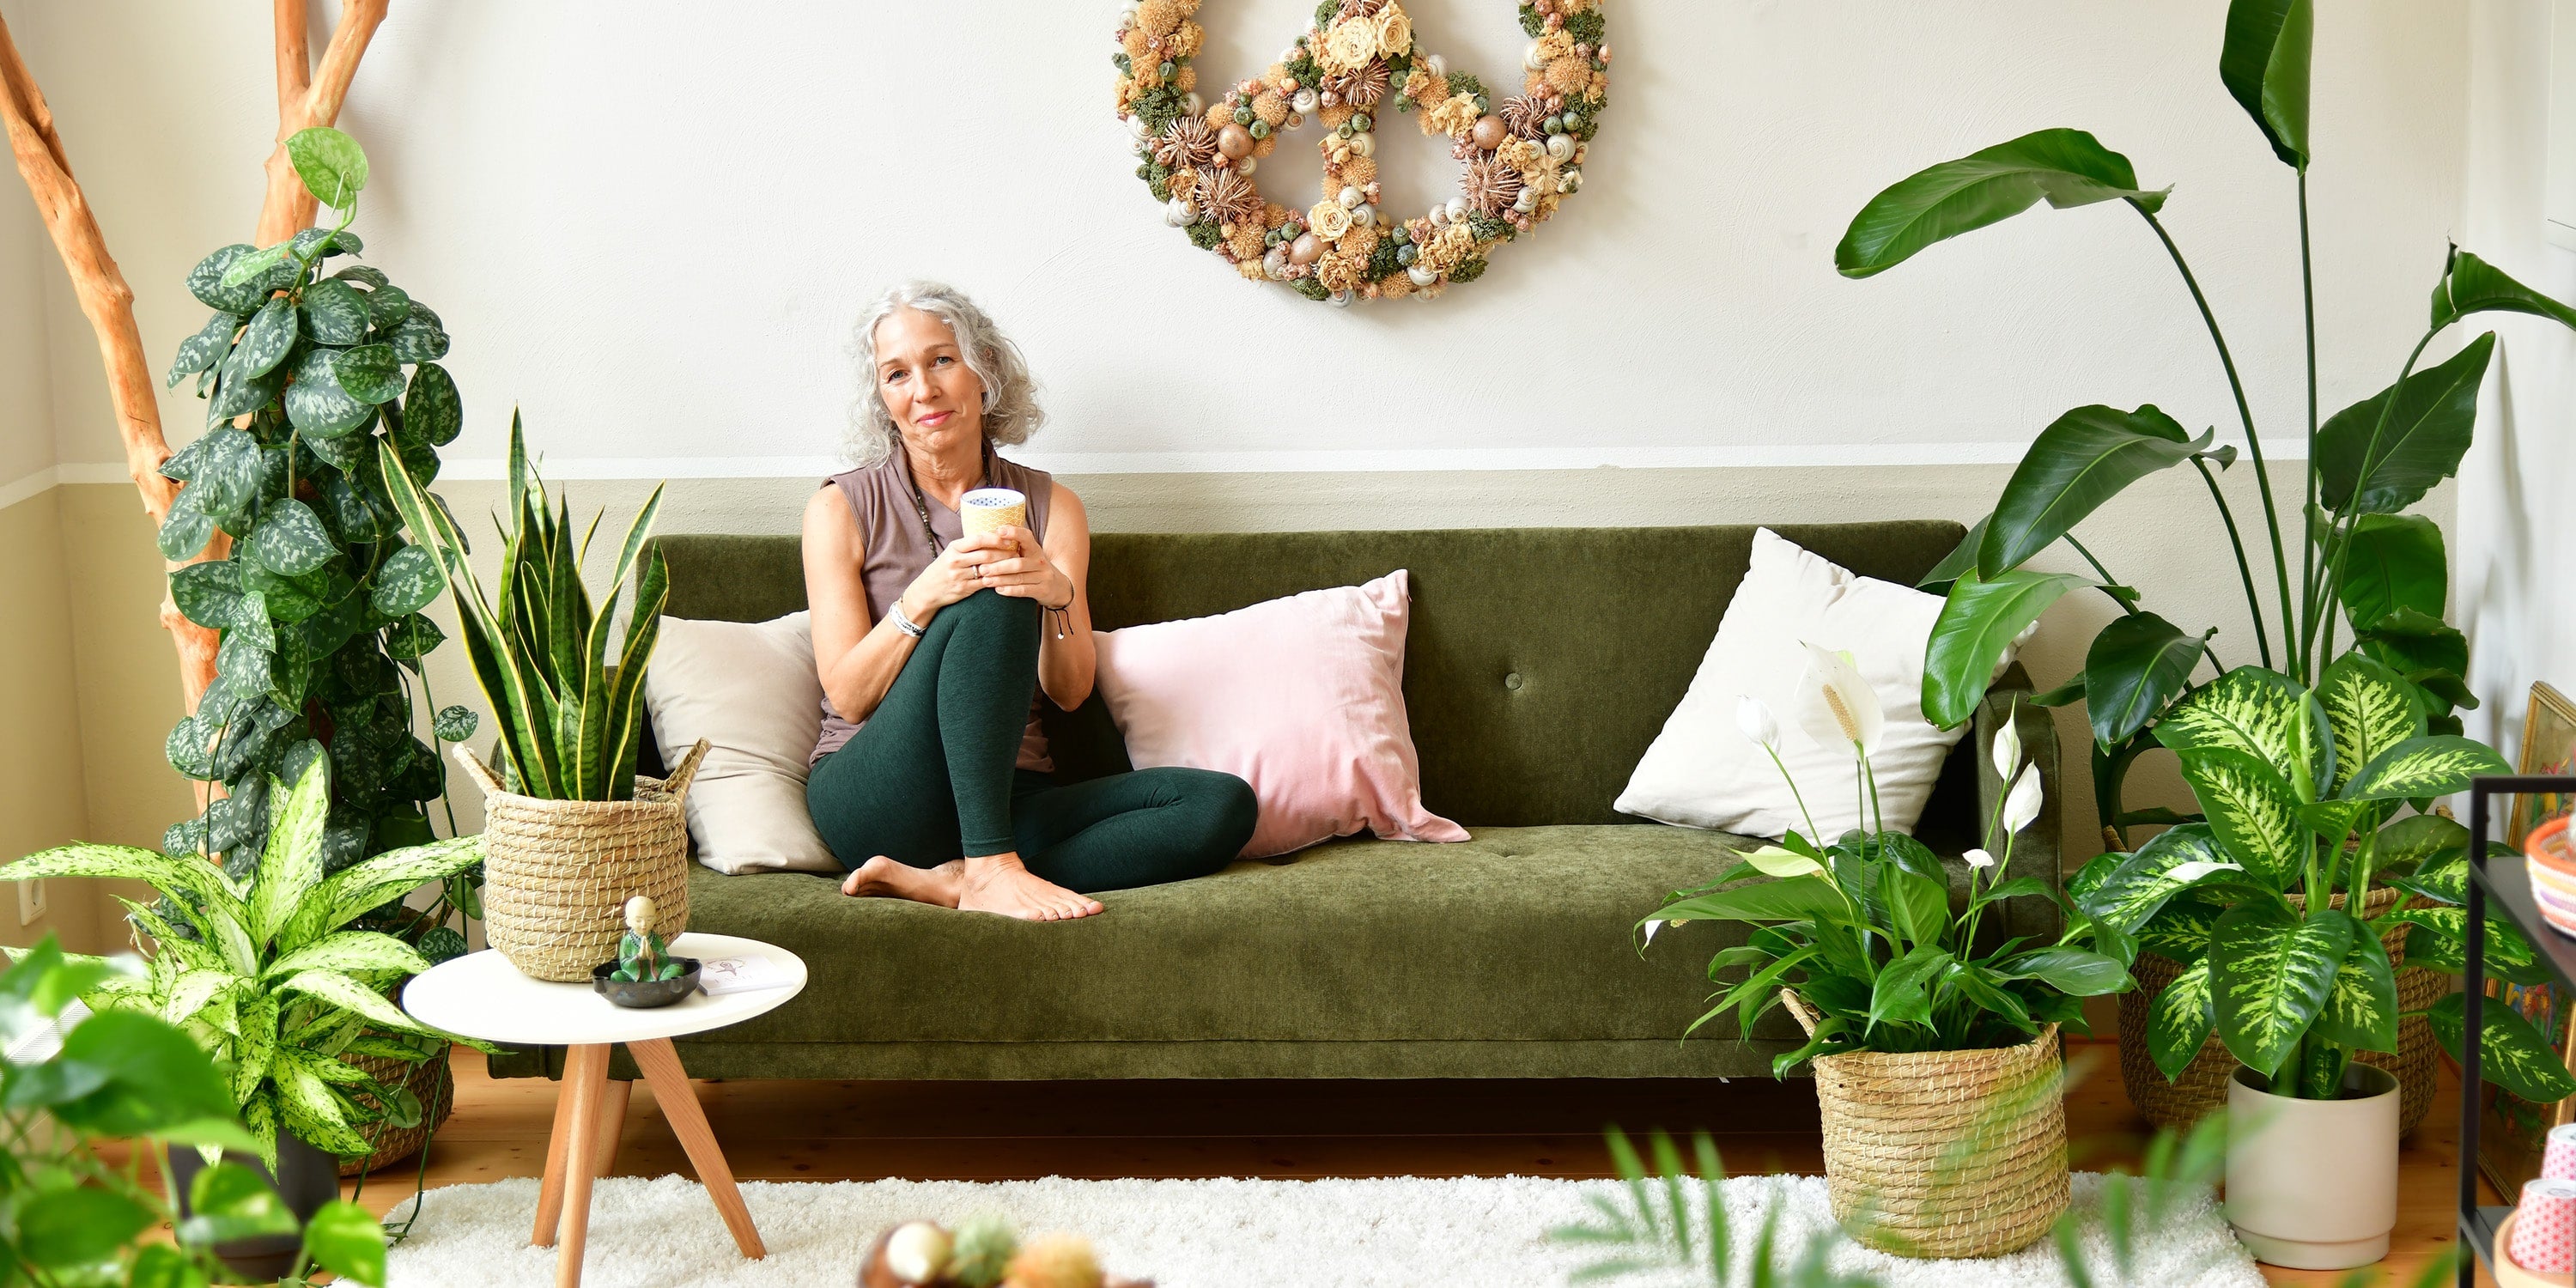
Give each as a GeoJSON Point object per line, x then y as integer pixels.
{"type": "Point", "coordinates": [272, 979]}
{"type": "Point", "coordinates": [2362, 558]}
{"type": "Point", "coordinates": [320, 604]}
{"type": "Point", "coordinates": [571, 723]}
{"type": "Point", "coordinates": [2312, 793]}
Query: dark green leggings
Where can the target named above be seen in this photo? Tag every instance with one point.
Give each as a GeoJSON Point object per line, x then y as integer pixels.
{"type": "Point", "coordinates": [930, 777]}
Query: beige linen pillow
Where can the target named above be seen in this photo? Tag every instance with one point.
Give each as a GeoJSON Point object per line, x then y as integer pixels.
{"type": "Point", "coordinates": [749, 689]}
{"type": "Point", "coordinates": [1703, 772]}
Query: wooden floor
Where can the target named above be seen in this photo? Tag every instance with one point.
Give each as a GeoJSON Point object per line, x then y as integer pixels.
{"type": "Point", "coordinates": [800, 1131]}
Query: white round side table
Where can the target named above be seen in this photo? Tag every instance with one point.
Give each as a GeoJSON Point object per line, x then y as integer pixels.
{"type": "Point", "coordinates": [481, 995]}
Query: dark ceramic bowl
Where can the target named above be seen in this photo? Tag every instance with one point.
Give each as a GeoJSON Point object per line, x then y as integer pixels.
{"type": "Point", "coordinates": [645, 994]}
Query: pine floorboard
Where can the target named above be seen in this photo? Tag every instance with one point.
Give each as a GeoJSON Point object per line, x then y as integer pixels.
{"type": "Point", "coordinates": [822, 1131]}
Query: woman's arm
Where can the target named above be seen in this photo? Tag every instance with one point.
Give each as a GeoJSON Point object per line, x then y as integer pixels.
{"type": "Point", "coordinates": [1066, 667]}
{"type": "Point", "coordinates": [855, 656]}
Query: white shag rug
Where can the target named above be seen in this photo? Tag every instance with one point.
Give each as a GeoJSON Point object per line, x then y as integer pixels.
{"type": "Point", "coordinates": [1393, 1233]}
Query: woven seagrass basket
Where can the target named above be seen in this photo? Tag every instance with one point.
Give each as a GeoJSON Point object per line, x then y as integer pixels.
{"type": "Point", "coordinates": [431, 1081]}
{"type": "Point", "coordinates": [1944, 1153]}
{"type": "Point", "coordinates": [2202, 1088]}
{"type": "Point", "coordinates": [557, 874]}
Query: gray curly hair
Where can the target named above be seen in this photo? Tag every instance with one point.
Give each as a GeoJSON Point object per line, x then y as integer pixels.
{"type": "Point", "coordinates": [1011, 411]}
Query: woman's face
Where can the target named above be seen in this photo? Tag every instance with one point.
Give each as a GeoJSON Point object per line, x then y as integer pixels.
{"type": "Point", "coordinates": [935, 400]}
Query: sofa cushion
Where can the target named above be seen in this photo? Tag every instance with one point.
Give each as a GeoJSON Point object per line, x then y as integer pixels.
{"type": "Point", "coordinates": [1518, 935]}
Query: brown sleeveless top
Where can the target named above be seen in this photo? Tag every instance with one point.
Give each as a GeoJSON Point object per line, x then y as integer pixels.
{"type": "Point", "coordinates": [881, 497]}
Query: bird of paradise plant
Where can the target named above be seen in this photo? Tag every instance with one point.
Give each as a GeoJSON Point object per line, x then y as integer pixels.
{"type": "Point", "coordinates": [1862, 927]}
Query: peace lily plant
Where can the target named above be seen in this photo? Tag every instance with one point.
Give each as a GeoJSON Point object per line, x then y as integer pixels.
{"type": "Point", "coordinates": [1861, 928]}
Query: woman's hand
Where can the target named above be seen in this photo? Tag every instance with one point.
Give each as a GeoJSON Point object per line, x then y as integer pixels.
{"type": "Point", "coordinates": [1022, 570]}
{"type": "Point", "coordinates": [953, 575]}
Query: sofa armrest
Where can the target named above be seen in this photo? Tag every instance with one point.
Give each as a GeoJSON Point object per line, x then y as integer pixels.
{"type": "Point", "coordinates": [2035, 850]}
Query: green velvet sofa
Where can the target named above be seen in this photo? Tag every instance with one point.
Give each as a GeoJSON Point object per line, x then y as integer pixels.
{"type": "Point", "coordinates": [1541, 663]}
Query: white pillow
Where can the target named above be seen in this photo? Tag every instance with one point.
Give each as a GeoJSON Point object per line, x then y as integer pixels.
{"type": "Point", "coordinates": [750, 690]}
{"type": "Point", "coordinates": [1703, 772]}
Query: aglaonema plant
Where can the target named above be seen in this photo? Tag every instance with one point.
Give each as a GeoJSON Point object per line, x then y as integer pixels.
{"type": "Point", "coordinates": [2362, 559]}
{"type": "Point", "coordinates": [311, 375]}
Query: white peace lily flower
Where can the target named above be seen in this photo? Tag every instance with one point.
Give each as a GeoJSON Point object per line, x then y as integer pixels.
{"type": "Point", "coordinates": [1836, 707]}
{"type": "Point", "coordinates": [2022, 806]}
{"type": "Point", "coordinates": [1651, 928]}
{"type": "Point", "coordinates": [2186, 873]}
{"type": "Point", "coordinates": [1979, 859]}
{"type": "Point", "coordinates": [1753, 716]}
{"type": "Point", "coordinates": [2007, 750]}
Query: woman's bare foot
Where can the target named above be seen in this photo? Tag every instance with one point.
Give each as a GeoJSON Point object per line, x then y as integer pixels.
{"type": "Point", "coordinates": [998, 883]}
{"type": "Point", "coordinates": [883, 877]}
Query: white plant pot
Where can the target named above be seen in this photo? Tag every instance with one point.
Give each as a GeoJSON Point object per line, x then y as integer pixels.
{"type": "Point", "coordinates": [2312, 1184]}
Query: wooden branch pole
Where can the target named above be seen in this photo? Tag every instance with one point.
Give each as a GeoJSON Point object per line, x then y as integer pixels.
{"type": "Point", "coordinates": [305, 98]}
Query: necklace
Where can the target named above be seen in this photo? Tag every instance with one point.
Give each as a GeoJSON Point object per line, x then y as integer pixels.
{"type": "Point", "coordinates": [1061, 617]}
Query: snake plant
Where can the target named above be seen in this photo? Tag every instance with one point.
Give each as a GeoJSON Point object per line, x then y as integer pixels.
{"type": "Point", "coordinates": [571, 724]}
{"type": "Point", "coordinates": [274, 983]}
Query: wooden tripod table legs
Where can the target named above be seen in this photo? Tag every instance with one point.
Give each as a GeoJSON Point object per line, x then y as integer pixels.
{"type": "Point", "coordinates": [584, 1144]}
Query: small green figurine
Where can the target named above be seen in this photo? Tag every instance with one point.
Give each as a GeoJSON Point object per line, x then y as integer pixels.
{"type": "Point", "coordinates": [642, 955]}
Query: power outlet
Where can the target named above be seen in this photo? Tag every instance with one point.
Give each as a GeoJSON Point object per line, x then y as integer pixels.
{"type": "Point", "coordinates": [31, 902]}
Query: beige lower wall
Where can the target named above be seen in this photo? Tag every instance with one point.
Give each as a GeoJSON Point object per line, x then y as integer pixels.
{"type": "Point", "coordinates": [43, 800]}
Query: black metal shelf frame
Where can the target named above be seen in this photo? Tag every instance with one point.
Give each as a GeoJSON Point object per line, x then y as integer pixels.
{"type": "Point", "coordinates": [2508, 887]}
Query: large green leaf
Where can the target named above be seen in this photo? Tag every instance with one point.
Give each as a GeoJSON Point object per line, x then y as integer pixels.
{"type": "Point", "coordinates": [332, 165]}
{"type": "Point", "coordinates": [2062, 167]}
{"type": "Point", "coordinates": [349, 995]}
{"type": "Point", "coordinates": [369, 373]}
{"type": "Point", "coordinates": [2424, 844]}
{"type": "Point", "coordinates": [186, 529]}
{"type": "Point", "coordinates": [2180, 1019]}
{"type": "Point", "coordinates": [2250, 710]}
{"type": "Point", "coordinates": [2437, 765]}
{"type": "Point", "coordinates": [2271, 970]}
{"type": "Point", "coordinates": [2361, 1009]}
{"type": "Point", "coordinates": [366, 886]}
{"type": "Point", "coordinates": [2438, 942]}
{"type": "Point", "coordinates": [2475, 286]}
{"type": "Point", "coordinates": [407, 582]}
{"type": "Point", "coordinates": [292, 864]}
{"type": "Point", "coordinates": [2511, 1053]}
{"type": "Point", "coordinates": [2264, 65]}
{"type": "Point", "coordinates": [352, 952]}
{"type": "Point", "coordinates": [76, 1226]}
{"type": "Point", "coordinates": [2136, 886]}
{"type": "Point", "coordinates": [206, 281]}
{"type": "Point", "coordinates": [335, 312]}
{"type": "Point", "coordinates": [149, 1076]}
{"type": "Point", "coordinates": [2425, 434]}
{"type": "Point", "coordinates": [1800, 899]}
{"type": "Point", "coordinates": [204, 349]}
{"type": "Point", "coordinates": [2424, 649]}
{"type": "Point", "coordinates": [317, 404]}
{"type": "Point", "coordinates": [198, 880]}
{"type": "Point", "coordinates": [1902, 993]}
{"type": "Point", "coordinates": [347, 1240]}
{"type": "Point", "coordinates": [2395, 562]}
{"type": "Point", "coordinates": [264, 344]}
{"type": "Point", "coordinates": [432, 411]}
{"type": "Point", "coordinates": [1962, 557]}
{"type": "Point", "coordinates": [290, 541]}
{"type": "Point", "coordinates": [309, 1107]}
{"type": "Point", "coordinates": [1978, 622]}
{"type": "Point", "coordinates": [2076, 972]}
{"type": "Point", "coordinates": [2252, 810]}
{"type": "Point", "coordinates": [2082, 459]}
{"type": "Point", "coordinates": [2136, 668]}
{"type": "Point", "coordinates": [2370, 708]}
{"type": "Point", "coordinates": [420, 336]}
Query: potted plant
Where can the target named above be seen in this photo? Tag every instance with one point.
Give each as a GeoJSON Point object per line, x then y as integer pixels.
{"type": "Point", "coordinates": [1935, 1048]}
{"type": "Point", "coordinates": [2372, 579]}
{"type": "Point", "coordinates": [2279, 903]}
{"type": "Point", "coordinates": [311, 373]}
{"type": "Point", "coordinates": [275, 984]}
{"type": "Point", "coordinates": [77, 1217]}
{"type": "Point", "coordinates": [570, 832]}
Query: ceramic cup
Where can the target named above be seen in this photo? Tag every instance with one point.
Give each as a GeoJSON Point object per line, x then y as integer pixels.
{"type": "Point", "coordinates": [991, 509]}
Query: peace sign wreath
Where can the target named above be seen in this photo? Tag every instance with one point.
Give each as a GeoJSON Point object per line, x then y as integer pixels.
{"type": "Point", "coordinates": [1520, 158]}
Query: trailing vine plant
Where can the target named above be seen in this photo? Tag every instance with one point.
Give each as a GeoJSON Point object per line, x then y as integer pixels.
{"type": "Point", "coordinates": [310, 375]}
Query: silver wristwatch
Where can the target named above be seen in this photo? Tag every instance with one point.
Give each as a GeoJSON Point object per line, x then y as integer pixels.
{"type": "Point", "coordinates": [894, 613]}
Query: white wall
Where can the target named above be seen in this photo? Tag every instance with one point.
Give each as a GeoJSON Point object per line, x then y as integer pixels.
{"type": "Point", "coordinates": [26, 419]}
{"type": "Point", "coordinates": [2516, 546]}
{"type": "Point", "coordinates": [649, 225]}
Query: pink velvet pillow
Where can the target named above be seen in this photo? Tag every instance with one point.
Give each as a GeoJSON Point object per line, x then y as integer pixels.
{"type": "Point", "coordinates": [1301, 697]}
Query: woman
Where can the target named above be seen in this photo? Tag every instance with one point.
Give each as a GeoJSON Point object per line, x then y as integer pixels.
{"type": "Point", "coordinates": [931, 644]}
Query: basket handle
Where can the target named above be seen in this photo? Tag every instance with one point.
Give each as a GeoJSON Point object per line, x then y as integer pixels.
{"type": "Point", "coordinates": [677, 783]}
{"type": "Point", "coordinates": [475, 769]}
{"type": "Point", "coordinates": [1798, 1010]}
